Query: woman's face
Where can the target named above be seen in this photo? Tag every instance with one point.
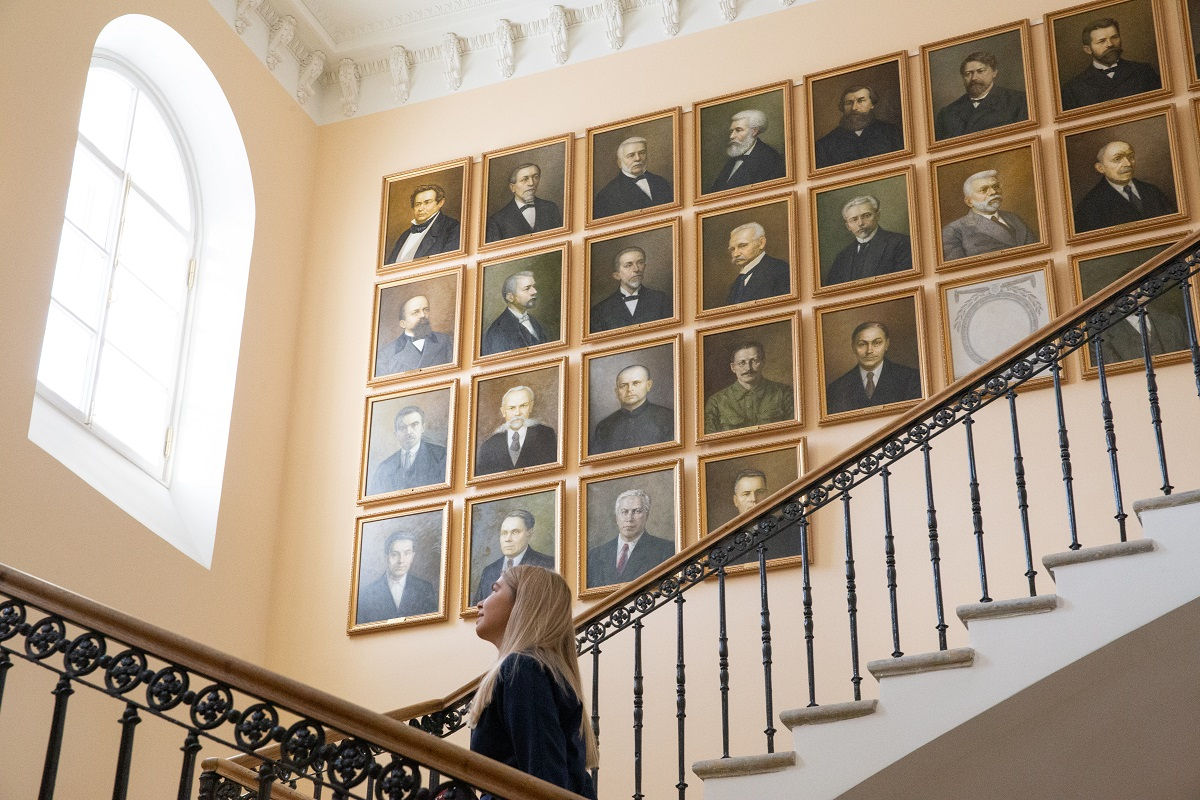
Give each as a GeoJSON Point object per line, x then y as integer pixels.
{"type": "Point", "coordinates": [494, 611]}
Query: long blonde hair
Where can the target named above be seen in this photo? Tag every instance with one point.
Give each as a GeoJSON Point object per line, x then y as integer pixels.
{"type": "Point", "coordinates": [539, 626]}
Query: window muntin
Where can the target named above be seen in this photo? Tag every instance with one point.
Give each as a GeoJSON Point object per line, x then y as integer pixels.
{"type": "Point", "coordinates": [112, 352]}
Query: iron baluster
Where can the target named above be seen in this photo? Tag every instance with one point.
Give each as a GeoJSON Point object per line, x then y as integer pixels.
{"type": "Point", "coordinates": [766, 646]}
{"type": "Point", "coordinates": [62, 693]}
{"type": "Point", "coordinates": [637, 709]}
{"type": "Point", "coordinates": [806, 599]}
{"type": "Point", "coordinates": [191, 746]}
{"type": "Point", "coordinates": [129, 721]}
{"type": "Point", "coordinates": [1064, 452]}
{"type": "Point", "coordinates": [976, 507]}
{"type": "Point", "coordinates": [889, 552]}
{"type": "Point", "coordinates": [723, 660]}
{"type": "Point", "coordinates": [851, 598]}
{"type": "Point", "coordinates": [208, 786]}
{"type": "Point", "coordinates": [6, 664]}
{"type": "Point", "coordinates": [935, 552]}
{"type": "Point", "coordinates": [596, 709]}
{"type": "Point", "coordinates": [1022, 494]}
{"type": "Point", "coordinates": [1190, 321]}
{"type": "Point", "coordinates": [266, 779]}
{"type": "Point", "coordinates": [680, 695]}
{"type": "Point", "coordinates": [1110, 433]}
{"type": "Point", "coordinates": [1152, 396]}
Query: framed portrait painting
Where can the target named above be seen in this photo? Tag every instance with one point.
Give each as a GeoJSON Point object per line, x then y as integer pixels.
{"type": "Point", "coordinates": [526, 192]}
{"type": "Point", "coordinates": [400, 569]}
{"type": "Point", "coordinates": [1191, 27]}
{"type": "Point", "coordinates": [506, 529]}
{"type": "Point", "coordinates": [743, 142]}
{"type": "Point", "coordinates": [747, 255]}
{"type": "Point", "coordinates": [1107, 55]}
{"type": "Point", "coordinates": [858, 114]}
{"type": "Point", "coordinates": [415, 325]}
{"type": "Point", "coordinates": [988, 206]}
{"type": "Point", "coordinates": [749, 377]}
{"type": "Point", "coordinates": [1166, 316]}
{"type": "Point", "coordinates": [984, 315]}
{"type": "Point", "coordinates": [630, 400]}
{"type": "Point", "coordinates": [406, 436]}
{"type": "Point", "coordinates": [1122, 175]}
{"type": "Point", "coordinates": [423, 214]}
{"type": "Point", "coordinates": [633, 167]}
{"type": "Point", "coordinates": [734, 482]}
{"type": "Point", "coordinates": [630, 522]}
{"type": "Point", "coordinates": [521, 303]}
{"type": "Point", "coordinates": [979, 85]}
{"type": "Point", "coordinates": [632, 280]}
{"type": "Point", "coordinates": [864, 232]}
{"type": "Point", "coordinates": [517, 421]}
{"type": "Point", "coordinates": [871, 356]}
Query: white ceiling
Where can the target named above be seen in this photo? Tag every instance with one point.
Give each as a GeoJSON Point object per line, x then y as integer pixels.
{"type": "Point", "coordinates": [343, 58]}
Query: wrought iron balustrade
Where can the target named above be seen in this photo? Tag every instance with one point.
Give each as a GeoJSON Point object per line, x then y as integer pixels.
{"type": "Point", "coordinates": [325, 746]}
{"type": "Point", "coordinates": [902, 450]}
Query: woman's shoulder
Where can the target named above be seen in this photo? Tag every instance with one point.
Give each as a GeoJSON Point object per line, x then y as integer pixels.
{"type": "Point", "coordinates": [519, 664]}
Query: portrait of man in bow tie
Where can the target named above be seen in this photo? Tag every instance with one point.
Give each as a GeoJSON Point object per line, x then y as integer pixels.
{"type": "Point", "coordinates": [422, 213]}
{"type": "Point", "coordinates": [631, 280]}
{"type": "Point", "coordinates": [988, 226]}
{"type": "Point", "coordinates": [523, 299]}
{"type": "Point", "coordinates": [1091, 52]}
{"type": "Point", "coordinates": [415, 323]}
{"type": "Point", "coordinates": [632, 526]}
{"type": "Point", "coordinates": [743, 141]}
{"type": "Point", "coordinates": [406, 449]}
{"type": "Point", "coordinates": [1122, 174]}
{"type": "Point", "coordinates": [635, 187]}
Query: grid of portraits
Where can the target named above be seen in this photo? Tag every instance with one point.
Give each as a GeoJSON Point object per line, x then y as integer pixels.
{"type": "Point", "coordinates": [589, 352]}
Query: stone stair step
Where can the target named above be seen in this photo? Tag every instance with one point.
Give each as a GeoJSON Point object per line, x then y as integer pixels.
{"type": "Point", "coordinates": [1166, 501]}
{"type": "Point", "coordinates": [744, 765]}
{"type": "Point", "coordinates": [1099, 553]}
{"type": "Point", "coordinates": [1000, 609]}
{"type": "Point", "coordinates": [953, 658]}
{"type": "Point", "coordinates": [834, 712]}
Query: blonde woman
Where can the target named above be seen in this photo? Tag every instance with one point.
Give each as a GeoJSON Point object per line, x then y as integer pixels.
{"type": "Point", "coordinates": [528, 712]}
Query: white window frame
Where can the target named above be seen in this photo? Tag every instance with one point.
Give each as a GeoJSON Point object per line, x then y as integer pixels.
{"type": "Point", "coordinates": [183, 512]}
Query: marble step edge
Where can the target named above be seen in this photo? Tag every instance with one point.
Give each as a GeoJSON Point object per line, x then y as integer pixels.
{"type": "Point", "coordinates": [1001, 609]}
{"type": "Point", "coordinates": [953, 658]}
{"type": "Point", "coordinates": [744, 765]}
{"type": "Point", "coordinates": [1098, 553]}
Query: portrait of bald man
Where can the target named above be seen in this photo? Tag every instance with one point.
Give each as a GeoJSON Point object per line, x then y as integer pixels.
{"type": "Point", "coordinates": [1119, 197]}
{"type": "Point", "coordinates": [635, 187]}
{"type": "Point", "coordinates": [638, 422]}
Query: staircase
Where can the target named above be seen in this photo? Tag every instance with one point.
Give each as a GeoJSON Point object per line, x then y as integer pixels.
{"type": "Point", "coordinates": [1113, 652]}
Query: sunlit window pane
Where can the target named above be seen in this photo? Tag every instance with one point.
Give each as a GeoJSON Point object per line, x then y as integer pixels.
{"type": "Point", "coordinates": [94, 194]}
{"type": "Point", "coordinates": [107, 102]}
{"type": "Point", "coordinates": [142, 327]}
{"type": "Point", "coordinates": [80, 276]}
{"type": "Point", "coordinates": [66, 350]}
{"type": "Point", "coordinates": [131, 405]}
{"type": "Point", "coordinates": [155, 251]}
{"type": "Point", "coordinates": [154, 162]}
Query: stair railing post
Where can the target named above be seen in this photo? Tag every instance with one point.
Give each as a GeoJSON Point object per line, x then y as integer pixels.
{"type": "Point", "coordinates": [976, 507]}
{"type": "Point", "coordinates": [1110, 433]}
{"type": "Point", "coordinates": [62, 693]}
{"type": "Point", "coordinates": [1022, 492]}
{"type": "Point", "coordinates": [765, 617]}
{"type": "Point", "coordinates": [129, 721]}
{"type": "Point", "coordinates": [1152, 398]}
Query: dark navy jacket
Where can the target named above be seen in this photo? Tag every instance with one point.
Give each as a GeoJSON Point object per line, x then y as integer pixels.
{"type": "Point", "coordinates": [532, 724]}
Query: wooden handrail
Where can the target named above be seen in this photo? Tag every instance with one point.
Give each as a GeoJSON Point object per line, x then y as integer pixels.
{"type": "Point", "coordinates": [249, 779]}
{"type": "Point", "coordinates": [833, 465]}
{"type": "Point", "coordinates": [395, 736]}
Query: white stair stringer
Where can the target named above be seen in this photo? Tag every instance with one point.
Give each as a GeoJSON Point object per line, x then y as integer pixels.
{"type": "Point", "coordinates": [1099, 601]}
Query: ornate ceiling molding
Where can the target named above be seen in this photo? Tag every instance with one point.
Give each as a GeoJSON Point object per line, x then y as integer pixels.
{"type": "Point", "coordinates": [442, 47]}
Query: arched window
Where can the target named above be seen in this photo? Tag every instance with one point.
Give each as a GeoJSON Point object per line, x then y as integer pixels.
{"type": "Point", "coordinates": [113, 350]}
{"type": "Point", "coordinates": [139, 360]}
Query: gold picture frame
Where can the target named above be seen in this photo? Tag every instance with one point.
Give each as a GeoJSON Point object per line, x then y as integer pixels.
{"type": "Point", "coordinates": [613, 197]}
{"type": "Point", "coordinates": [492, 511]}
{"type": "Point", "coordinates": [534, 387]}
{"type": "Point", "coordinates": [394, 356]}
{"type": "Point", "coordinates": [498, 333]}
{"type": "Point", "coordinates": [372, 606]}
{"type": "Point", "coordinates": [659, 243]}
{"type": "Point", "coordinates": [446, 236]}
{"type": "Point", "coordinates": [382, 474]}
{"type": "Point", "coordinates": [500, 223]}
{"type": "Point", "coordinates": [771, 160]}
{"type": "Point", "coordinates": [725, 352]}
{"type": "Point", "coordinates": [719, 272]}
{"type": "Point", "coordinates": [598, 496]}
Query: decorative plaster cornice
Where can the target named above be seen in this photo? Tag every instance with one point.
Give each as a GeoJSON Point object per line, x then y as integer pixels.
{"type": "Point", "coordinates": [341, 76]}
